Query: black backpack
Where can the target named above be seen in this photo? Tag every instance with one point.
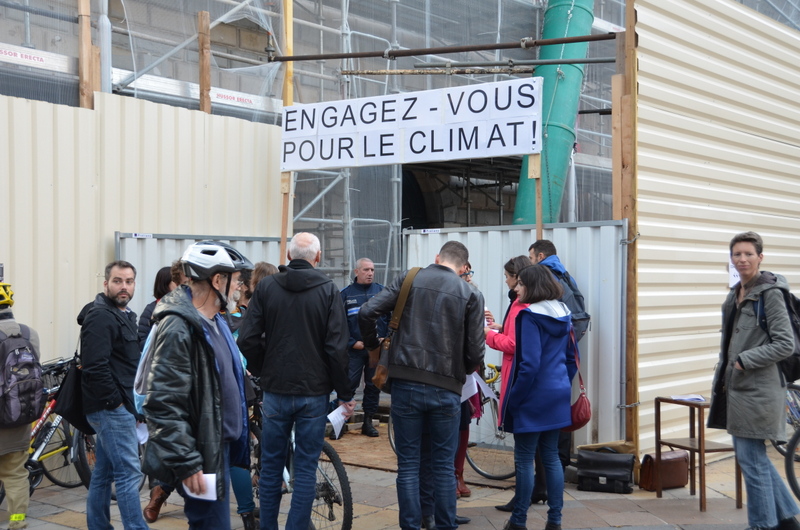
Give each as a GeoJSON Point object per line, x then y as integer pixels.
{"type": "Point", "coordinates": [790, 366]}
{"type": "Point", "coordinates": [21, 387]}
{"type": "Point", "coordinates": [573, 299]}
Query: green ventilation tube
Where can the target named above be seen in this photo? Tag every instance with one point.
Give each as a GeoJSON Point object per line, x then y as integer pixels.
{"type": "Point", "coordinates": [561, 94]}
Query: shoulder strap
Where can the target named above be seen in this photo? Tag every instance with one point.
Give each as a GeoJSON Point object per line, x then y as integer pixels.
{"type": "Point", "coordinates": [25, 331]}
{"type": "Point", "coordinates": [401, 300]}
{"type": "Point", "coordinates": [3, 336]}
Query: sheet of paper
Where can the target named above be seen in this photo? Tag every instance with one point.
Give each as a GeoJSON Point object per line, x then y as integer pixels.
{"type": "Point", "coordinates": [689, 397]}
{"type": "Point", "coordinates": [211, 488]}
{"type": "Point", "coordinates": [487, 391]}
{"type": "Point", "coordinates": [469, 389]}
{"type": "Point", "coordinates": [141, 433]}
{"type": "Point", "coordinates": [337, 419]}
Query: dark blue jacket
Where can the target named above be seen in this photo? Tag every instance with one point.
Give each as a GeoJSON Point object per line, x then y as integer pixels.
{"type": "Point", "coordinates": [539, 394]}
{"type": "Point", "coordinates": [354, 296]}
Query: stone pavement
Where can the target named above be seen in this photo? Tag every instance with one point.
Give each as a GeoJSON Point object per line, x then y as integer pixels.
{"type": "Point", "coordinates": [375, 500]}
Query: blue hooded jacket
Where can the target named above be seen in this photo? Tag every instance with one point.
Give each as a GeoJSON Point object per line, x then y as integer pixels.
{"type": "Point", "coordinates": [539, 394]}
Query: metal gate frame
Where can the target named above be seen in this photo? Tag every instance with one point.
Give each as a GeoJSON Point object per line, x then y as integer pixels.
{"type": "Point", "coordinates": [595, 254]}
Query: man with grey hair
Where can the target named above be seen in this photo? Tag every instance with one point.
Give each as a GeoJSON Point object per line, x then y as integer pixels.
{"type": "Point", "coordinates": [354, 296]}
{"type": "Point", "coordinates": [295, 337]}
{"type": "Point", "coordinates": [440, 340]}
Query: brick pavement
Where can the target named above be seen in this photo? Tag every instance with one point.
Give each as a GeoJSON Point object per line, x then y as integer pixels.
{"type": "Point", "coordinates": [375, 502]}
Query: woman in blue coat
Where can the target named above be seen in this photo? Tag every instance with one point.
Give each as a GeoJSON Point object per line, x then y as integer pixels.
{"type": "Point", "coordinates": [538, 400]}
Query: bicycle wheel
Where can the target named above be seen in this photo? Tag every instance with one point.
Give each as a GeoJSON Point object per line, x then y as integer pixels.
{"type": "Point", "coordinates": [490, 451]}
{"type": "Point", "coordinates": [792, 463]}
{"type": "Point", "coordinates": [59, 456]}
{"type": "Point", "coordinates": [792, 416]}
{"type": "Point", "coordinates": [333, 503]}
{"type": "Point", "coordinates": [391, 434]}
{"type": "Point", "coordinates": [88, 457]}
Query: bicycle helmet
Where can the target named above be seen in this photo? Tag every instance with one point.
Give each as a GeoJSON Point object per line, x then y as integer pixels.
{"type": "Point", "coordinates": [238, 259]}
{"type": "Point", "coordinates": [6, 294]}
{"type": "Point", "coordinates": [204, 259]}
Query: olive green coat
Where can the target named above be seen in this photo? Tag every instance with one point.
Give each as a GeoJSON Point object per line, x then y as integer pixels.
{"type": "Point", "coordinates": [751, 403]}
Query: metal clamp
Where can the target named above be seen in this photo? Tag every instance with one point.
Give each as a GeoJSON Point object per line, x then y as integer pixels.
{"type": "Point", "coordinates": [629, 406]}
{"type": "Point", "coordinates": [629, 242]}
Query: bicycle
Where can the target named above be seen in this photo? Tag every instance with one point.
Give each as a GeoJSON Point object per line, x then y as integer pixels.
{"type": "Point", "coordinates": [490, 451]}
{"type": "Point", "coordinates": [333, 501]}
{"type": "Point", "coordinates": [53, 451]}
{"type": "Point", "coordinates": [792, 416]}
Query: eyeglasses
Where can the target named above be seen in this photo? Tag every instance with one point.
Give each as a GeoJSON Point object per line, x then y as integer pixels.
{"type": "Point", "coordinates": [468, 273]}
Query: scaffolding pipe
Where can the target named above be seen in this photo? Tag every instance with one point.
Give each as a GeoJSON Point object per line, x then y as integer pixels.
{"type": "Point", "coordinates": [525, 43]}
{"type": "Point", "coordinates": [512, 62]}
{"type": "Point", "coordinates": [136, 75]}
{"type": "Point", "coordinates": [104, 43]}
{"type": "Point", "coordinates": [444, 71]}
{"type": "Point", "coordinates": [39, 12]}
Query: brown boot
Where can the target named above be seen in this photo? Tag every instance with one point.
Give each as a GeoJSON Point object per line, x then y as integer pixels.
{"type": "Point", "coordinates": [461, 488]}
{"type": "Point", "coordinates": [157, 499]}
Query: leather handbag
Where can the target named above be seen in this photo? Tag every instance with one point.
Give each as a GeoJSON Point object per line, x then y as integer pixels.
{"type": "Point", "coordinates": [381, 377]}
{"type": "Point", "coordinates": [69, 399]}
{"type": "Point", "coordinates": [605, 470]}
{"type": "Point", "coordinates": [581, 410]}
{"type": "Point", "coordinates": [674, 470]}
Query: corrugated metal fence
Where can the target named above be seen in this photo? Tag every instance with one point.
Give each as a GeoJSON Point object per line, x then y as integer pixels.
{"type": "Point", "coordinates": [149, 252]}
{"type": "Point", "coordinates": [595, 255]}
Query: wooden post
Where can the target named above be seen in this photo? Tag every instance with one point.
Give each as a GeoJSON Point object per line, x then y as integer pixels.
{"type": "Point", "coordinates": [204, 45]}
{"type": "Point", "coordinates": [629, 193]}
{"type": "Point", "coordinates": [288, 100]}
{"type": "Point", "coordinates": [535, 172]}
{"type": "Point", "coordinates": [85, 55]}
{"type": "Point", "coordinates": [96, 69]}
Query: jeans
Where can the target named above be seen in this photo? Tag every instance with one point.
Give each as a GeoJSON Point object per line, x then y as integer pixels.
{"type": "Point", "coordinates": [242, 485]}
{"type": "Point", "coordinates": [359, 363]}
{"type": "Point", "coordinates": [308, 415]}
{"type": "Point", "coordinates": [210, 515]}
{"type": "Point", "coordinates": [768, 499]}
{"type": "Point", "coordinates": [117, 461]}
{"type": "Point", "coordinates": [525, 445]}
{"type": "Point", "coordinates": [416, 406]}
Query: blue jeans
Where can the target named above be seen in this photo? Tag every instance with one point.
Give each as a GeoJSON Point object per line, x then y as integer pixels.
{"type": "Point", "coordinates": [416, 406]}
{"type": "Point", "coordinates": [308, 415]}
{"type": "Point", "coordinates": [525, 445]}
{"type": "Point", "coordinates": [241, 482]}
{"type": "Point", "coordinates": [359, 363]}
{"type": "Point", "coordinates": [768, 499]}
{"type": "Point", "coordinates": [210, 515]}
{"type": "Point", "coordinates": [117, 461]}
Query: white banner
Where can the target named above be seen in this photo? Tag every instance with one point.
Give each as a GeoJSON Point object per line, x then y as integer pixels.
{"type": "Point", "coordinates": [476, 121]}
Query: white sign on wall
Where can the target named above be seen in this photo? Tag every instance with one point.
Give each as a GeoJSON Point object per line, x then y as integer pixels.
{"type": "Point", "coordinates": [477, 121]}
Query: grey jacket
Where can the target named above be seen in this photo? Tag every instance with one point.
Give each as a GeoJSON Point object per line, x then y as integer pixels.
{"type": "Point", "coordinates": [751, 403]}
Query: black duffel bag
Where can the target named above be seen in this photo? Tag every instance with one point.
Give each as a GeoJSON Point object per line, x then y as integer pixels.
{"type": "Point", "coordinates": [605, 470]}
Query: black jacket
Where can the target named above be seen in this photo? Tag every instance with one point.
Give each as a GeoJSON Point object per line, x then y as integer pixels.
{"type": "Point", "coordinates": [303, 351]}
{"type": "Point", "coordinates": [109, 356]}
{"type": "Point", "coordinates": [183, 401]}
{"type": "Point", "coordinates": [441, 336]}
{"type": "Point", "coordinates": [145, 323]}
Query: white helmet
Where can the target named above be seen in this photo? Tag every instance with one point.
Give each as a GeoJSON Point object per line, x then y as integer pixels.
{"type": "Point", "coordinates": [204, 259]}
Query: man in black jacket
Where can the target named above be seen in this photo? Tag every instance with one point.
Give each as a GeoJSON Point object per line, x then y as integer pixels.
{"type": "Point", "coordinates": [439, 341]}
{"type": "Point", "coordinates": [110, 355]}
{"type": "Point", "coordinates": [295, 336]}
